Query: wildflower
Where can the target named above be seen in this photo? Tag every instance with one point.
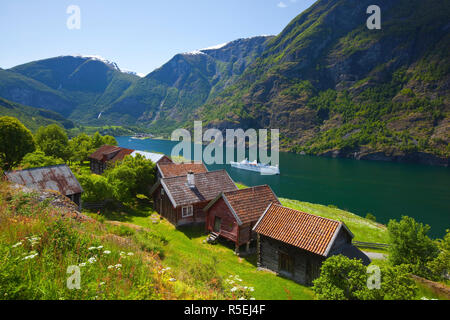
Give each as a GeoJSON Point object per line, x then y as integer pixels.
{"type": "Point", "coordinates": [130, 253]}
{"type": "Point", "coordinates": [118, 266]}
{"type": "Point", "coordinates": [17, 244]}
{"type": "Point", "coordinates": [234, 289]}
{"type": "Point", "coordinates": [92, 248]}
{"type": "Point", "coordinates": [251, 289]}
{"type": "Point", "coordinates": [82, 264]}
{"type": "Point", "coordinates": [102, 283]}
{"type": "Point", "coordinates": [242, 298]}
{"type": "Point", "coordinates": [172, 279]}
{"type": "Point", "coordinates": [110, 267]}
{"type": "Point", "coordinates": [32, 256]}
{"type": "Point", "coordinates": [252, 298]}
{"type": "Point", "coordinates": [100, 247]}
{"type": "Point", "coordinates": [92, 260]}
{"type": "Point", "coordinates": [107, 252]}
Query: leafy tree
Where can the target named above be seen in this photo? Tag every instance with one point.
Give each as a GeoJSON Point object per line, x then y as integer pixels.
{"type": "Point", "coordinates": [97, 140]}
{"type": "Point", "coordinates": [38, 159]}
{"type": "Point", "coordinates": [345, 279]}
{"type": "Point", "coordinates": [440, 266]}
{"type": "Point", "coordinates": [410, 244]}
{"type": "Point", "coordinates": [341, 279]}
{"type": "Point", "coordinates": [96, 188]}
{"type": "Point", "coordinates": [110, 140]}
{"type": "Point", "coordinates": [130, 177]}
{"type": "Point", "coordinates": [81, 147]}
{"type": "Point", "coordinates": [53, 141]}
{"type": "Point", "coordinates": [15, 142]}
{"type": "Point", "coordinates": [396, 284]}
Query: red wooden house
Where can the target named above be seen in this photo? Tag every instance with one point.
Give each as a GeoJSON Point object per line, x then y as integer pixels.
{"type": "Point", "coordinates": [181, 199]}
{"type": "Point", "coordinates": [233, 214]}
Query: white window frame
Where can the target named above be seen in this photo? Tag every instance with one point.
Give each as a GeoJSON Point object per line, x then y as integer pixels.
{"type": "Point", "coordinates": [189, 210]}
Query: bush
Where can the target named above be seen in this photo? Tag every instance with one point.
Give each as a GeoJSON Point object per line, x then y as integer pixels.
{"type": "Point", "coordinates": [96, 188]}
{"type": "Point", "coordinates": [371, 217]}
{"type": "Point", "coordinates": [15, 142]}
{"type": "Point", "coordinates": [131, 177]}
{"type": "Point", "coordinates": [38, 159]}
{"type": "Point", "coordinates": [410, 244]}
{"type": "Point", "coordinates": [341, 279]}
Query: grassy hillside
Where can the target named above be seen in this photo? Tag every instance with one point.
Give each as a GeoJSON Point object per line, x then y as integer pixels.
{"type": "Point", "coordinates": [37, 245]}
{"type": "Point", "coordinates": [32, 118]}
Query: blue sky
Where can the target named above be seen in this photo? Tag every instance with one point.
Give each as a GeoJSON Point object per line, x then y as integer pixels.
{"type": "Point", "coordinates": [138, 35]}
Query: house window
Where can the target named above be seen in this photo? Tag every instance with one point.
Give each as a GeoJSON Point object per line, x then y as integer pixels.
{"type": "Point", "coordinates": [187, 211]}
{"type": "Point", "coordinates": [285, 263]}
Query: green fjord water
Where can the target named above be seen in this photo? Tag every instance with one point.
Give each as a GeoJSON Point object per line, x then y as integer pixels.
{"type": "Point", "coordinates": [387, 190]}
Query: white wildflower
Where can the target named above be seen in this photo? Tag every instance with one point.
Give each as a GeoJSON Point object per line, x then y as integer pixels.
{"type": "Point", "coordinates": [32, 256]}
{"type": "Point", "coordinates": [100, 247]}
{"type": "Point", "coordinates": [118, 266]}
{"type": "Point", "coordinates": [251, 289]}
{"type": "Point", "coordinates": [110, 267]}
{"type": "Point", "coordinates": [107, 252]}
{"type": "Point", "coordinates": [92, 260]}
{"type": "Point", "coordinates": [17, 244]}
{"type": "Point", "coordinates": [242, 298]}
{"type": "Point", "coordinates": [172, 279]}
{"type": "Point", "coordinates": [92, 248]}
{"type": "Point", "coordinates": [130, 253]}
{"type": "Point", "coordinates": [234, 289]}
{"type": "Point", "coordinates": [82, 264]}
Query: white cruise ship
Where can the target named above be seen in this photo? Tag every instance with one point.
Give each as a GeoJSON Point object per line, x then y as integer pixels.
{"type": "Point", "coordinates": [255, 166]}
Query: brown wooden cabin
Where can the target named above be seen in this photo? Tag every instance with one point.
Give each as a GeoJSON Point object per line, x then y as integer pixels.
{"type": "Point", "coordinates": [181, 199]}
{"type": "Point", "coordinates": [232, 215]}
{"type": "Point", "coordinates": [107, 154]}
{"type": "Point", "coordinates": [295, 244]}
{"type": "Point", "coordinates": [57, 178]}
{"type": "Point", "coordinates": [170, 170]}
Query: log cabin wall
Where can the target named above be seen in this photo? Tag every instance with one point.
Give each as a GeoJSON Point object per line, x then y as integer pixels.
{"type": "Point", "coordinates": [164, 207]}
{"type": "Point", "coordinates": [305, 266]}
{"type": "Point", "coordinates": [97, 167]}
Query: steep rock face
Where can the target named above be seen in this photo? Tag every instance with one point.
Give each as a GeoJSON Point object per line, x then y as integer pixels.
{"type": "Point", "coordinates": [333, 86]}
{"type": "Point", "coordinates": [170, 93]}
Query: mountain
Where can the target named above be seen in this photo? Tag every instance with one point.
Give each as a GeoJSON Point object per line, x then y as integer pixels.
{"type": "Point", "coordinates": [169, 94]}
{"type": "Point", "coordinates": [31, 117]}
{"type": "Point", "coordinates": [75, 86]}
{"type": "Point", "coordinates": [338, 89]}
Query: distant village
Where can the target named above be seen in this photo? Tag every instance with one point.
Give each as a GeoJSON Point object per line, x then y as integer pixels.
{"type": "Point", "coordinates": [288, 242]}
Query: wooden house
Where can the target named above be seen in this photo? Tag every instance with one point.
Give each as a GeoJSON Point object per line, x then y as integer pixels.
{"type": "Point", "coordinates": [232, 215]}
{"type": "Point", "coordinates": [170, 170]}
{"type": "Point", "coordinates": [105, 155]}
{"type": "Point", "coordinates": [181, 199]}
{"type": "Point", "coordinates": [57, 178]}
{"type": "Point", "coordinates": [156, 158]}
{"type": "Point", "coordinates": [295, 244]}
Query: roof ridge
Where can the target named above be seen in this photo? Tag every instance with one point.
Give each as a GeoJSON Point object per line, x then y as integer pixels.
{"type": "Point", "coordinates": [309, 214]}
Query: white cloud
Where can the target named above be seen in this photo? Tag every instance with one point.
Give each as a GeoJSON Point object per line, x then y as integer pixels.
{"type": "Point", "coordinates": [282, 5]}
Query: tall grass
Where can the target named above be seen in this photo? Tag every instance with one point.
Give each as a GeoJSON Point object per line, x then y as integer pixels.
{"type": "Point", "coordinates": [37, 246]}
